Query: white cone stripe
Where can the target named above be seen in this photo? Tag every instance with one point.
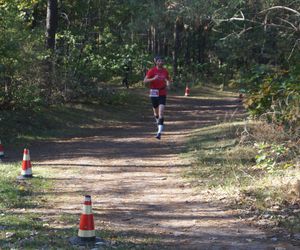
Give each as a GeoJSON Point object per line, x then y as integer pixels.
{"type": "Point", "coordinates": [87, 209]}
{"type": "Point", "coordinates": [26, 172]}
{"type": "Point", "coordinates": [86, 233]}
{"type": "Point", "coordinates": [26, 157]}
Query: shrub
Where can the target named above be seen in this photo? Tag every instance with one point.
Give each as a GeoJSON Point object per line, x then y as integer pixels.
{"type": "Point", "coordinates": [275, 94]}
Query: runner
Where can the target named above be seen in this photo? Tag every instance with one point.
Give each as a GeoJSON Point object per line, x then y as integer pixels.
{"type": "Point", "coordinates": [159, 80]}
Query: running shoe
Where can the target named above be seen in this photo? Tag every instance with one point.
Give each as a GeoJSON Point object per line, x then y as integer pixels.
{"type": "Point", "coordinates": [158, 136]}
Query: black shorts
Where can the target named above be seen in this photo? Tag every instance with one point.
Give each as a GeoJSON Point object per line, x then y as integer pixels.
{"type": "Point", "coordinates": [160, 100]}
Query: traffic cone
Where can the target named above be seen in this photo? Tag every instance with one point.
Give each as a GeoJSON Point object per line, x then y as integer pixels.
{"type": "Point", "coordinates": [26, 171]}
{"type": "Point", "coordinates": [241, 96]}
{"type": "Point", "coordinates": [1, 151]}
{"type": "Point", "coordinates": [86, 232]}
{"type": "Point", "coordinates": [187, 91]}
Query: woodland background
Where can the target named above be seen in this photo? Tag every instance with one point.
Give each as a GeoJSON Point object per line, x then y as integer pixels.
{"type": "Point", "coordinates": [61, 51]}
{"type": "Point", "coordinates": [55, 55]}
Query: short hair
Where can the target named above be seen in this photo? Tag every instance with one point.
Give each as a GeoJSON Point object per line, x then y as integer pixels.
{"type": "Point", "coordinates": [158, 58]}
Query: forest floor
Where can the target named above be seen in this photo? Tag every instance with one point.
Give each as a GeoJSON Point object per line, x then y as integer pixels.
{"type": "Point", "coordinates": [136, 182]}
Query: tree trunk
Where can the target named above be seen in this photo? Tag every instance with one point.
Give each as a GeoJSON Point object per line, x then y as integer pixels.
{"type": "Point", "coordinates": [166, 48]}
{"type": "Point", "coordinates": [160, 47]}
{"type": "Point", "coordinates": [51, 23]}
{"type": "Point", "coordinates": [177, 28]}
{"type": "Point", "coordinates": [187, 53]}
{"type": "Point", "coordinates": [201, 45]}
{"type": "Point", "coordinates": [153, 40]}
{"type": "Point", "coordinates": [149, 41]}
{"type": "Point", "coordinates": [51, 26]}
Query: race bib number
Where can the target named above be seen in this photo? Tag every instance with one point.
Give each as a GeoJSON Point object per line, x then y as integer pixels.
{"type": "Point", "coordinates": [154, 93]}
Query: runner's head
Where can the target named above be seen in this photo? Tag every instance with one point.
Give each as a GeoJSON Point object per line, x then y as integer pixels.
{"type": "Point", "coordinates": [159, 61]}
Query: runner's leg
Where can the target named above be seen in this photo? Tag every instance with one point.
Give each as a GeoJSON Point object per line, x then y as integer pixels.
{"type": "Point", "coordinates": [155, 107]}
{"type": "Point", "coordinates": [156, 114]}
{"type": "Point", "coordinates": [158, 104]}
{"type": "Point", "coordinates": [161, 109]}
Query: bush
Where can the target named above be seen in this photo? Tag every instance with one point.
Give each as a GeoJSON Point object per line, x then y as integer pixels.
{"type": "Point", "coordinates": [274, 93]}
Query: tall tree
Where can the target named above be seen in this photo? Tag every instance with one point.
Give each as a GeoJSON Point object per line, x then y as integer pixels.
{"type": "Point", "coordinates": [51, 23]}
{"type": "Point", "coordinates": [177, 29]}
{"type": "Point", "coordinates": [51, 27]}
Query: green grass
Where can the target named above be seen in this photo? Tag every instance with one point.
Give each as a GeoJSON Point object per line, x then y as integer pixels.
{"type": "Point", "coordinates": [20, 127]}
{"type": "Point", "coordinates": [23, 212]}
{"type": "Point", "coordinates": [17, 196]}
{"type": "Point", "coordinates": [217, 158]}
{"type": "Point", "coordinates": [17, 193]}
{"type": "Point", "coordinates": [226, 166]}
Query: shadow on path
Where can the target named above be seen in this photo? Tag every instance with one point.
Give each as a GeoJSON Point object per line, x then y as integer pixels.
{"type": "Point", "coordinates": [135, 180]}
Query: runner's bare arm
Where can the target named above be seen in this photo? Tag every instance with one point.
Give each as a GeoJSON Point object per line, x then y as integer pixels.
{"type": "Point", "coordinates": [147, 80]}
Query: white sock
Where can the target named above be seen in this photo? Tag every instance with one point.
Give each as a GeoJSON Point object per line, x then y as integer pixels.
{"type": "Point", "coordinates": [160, 129]}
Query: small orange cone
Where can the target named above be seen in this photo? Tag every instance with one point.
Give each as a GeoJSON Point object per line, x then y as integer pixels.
{"type": "Point", "coordinates": [86, 232]}
{"type": "Point", "coordinates": [26, 171]}
{"type": "Point", "coordinates": [187, 91]}
{"type": "Point", "coordinates": [1, 151]}
{"type": "Point", "coordinates": [241, 97]}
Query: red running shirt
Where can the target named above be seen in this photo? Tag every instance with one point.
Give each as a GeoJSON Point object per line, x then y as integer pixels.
{"type": "Point", "coordinates": [160, 82]}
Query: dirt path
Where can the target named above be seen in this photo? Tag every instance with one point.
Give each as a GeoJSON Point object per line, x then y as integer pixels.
{"type": "Point", "coordinates": [136, 185]}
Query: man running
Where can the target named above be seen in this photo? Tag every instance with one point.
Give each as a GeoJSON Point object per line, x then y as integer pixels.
{"type": "Point", "coordinates": [159, 80]}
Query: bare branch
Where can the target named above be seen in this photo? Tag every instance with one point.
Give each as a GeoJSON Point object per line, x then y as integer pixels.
{"type": "Point", "coordinates": [237, 19]}
{"type": "Point", "coordinates": [244, 30]}
{"type": "Point", "coordinates": [229, 35]}
{"type": "Point", "coordinates": [236, 34]}
{"type": "Point", "coordinates": [259, 23]}
{"type": "Point", "coordinates": [280, 26]}
{"type": "Point", "coordinates": [281, 7]}
{"type": "Point", "coordinates": [285, 21]}
{"type": "Point", "coordinates": [266, 22]}
{"type": "Point", "coordinates": [242, 14]}
{"type": "Point", "coordinates": [65, 16]}
{"type": "Point", "coordinates": [292, 51]}
{"type": "Point", "coordinates": [242, 18]}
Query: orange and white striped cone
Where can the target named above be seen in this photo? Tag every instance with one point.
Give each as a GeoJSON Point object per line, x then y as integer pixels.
{"type": "Point", "coordinates": [26, 171]}
{"type": "Point", "coordinates": [86, 232]}
{"type": "Point", "coordinates": [187, 91]}
{"type": "Point", "coordinates": [86, 225]}
{"type": "Point", "coordinates": [1, 151]}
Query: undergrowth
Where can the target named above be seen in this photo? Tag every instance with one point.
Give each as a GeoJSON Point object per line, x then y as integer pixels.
{"type": "Point", "coordinates": [17, 225]}
{"type": "Point", "coordinates": [22, 127]}
{"type": "Point", "coordinates": [252, 165]}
